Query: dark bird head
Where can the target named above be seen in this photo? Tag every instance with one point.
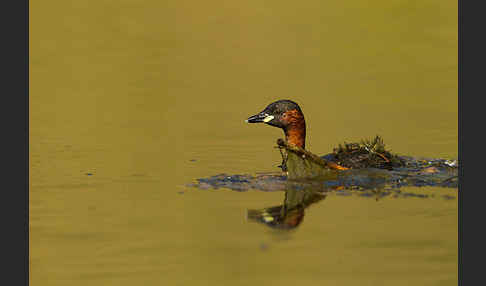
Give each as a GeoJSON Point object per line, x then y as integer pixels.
{"type": "Point", "coordinates": [288, 116]}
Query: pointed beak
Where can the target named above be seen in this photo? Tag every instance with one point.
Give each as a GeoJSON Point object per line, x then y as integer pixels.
{"type": "Point", "coordinates": [260, 118]}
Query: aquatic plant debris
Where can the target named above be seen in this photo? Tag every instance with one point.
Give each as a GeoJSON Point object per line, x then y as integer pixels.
{"type": "Point", "coordinates": [369, 167]}
{"type": "Point", "coordinates": [369, 153]}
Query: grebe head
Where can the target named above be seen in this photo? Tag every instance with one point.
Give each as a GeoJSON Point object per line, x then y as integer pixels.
{"type": "Point", "coordinates": [287, 115]}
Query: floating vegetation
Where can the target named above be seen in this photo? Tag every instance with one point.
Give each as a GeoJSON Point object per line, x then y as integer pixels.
{"type": "Point", "coordinates": [369, 153]}
{"type": "Point", "coordinates": [363, 166]}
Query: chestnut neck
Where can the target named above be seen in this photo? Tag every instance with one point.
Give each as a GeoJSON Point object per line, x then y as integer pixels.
{"type": "Point", "coordinates": [295, 132]}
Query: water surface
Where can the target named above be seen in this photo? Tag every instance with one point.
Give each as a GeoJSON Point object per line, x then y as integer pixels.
{"type": "Point", "coordinates": [130, 101]}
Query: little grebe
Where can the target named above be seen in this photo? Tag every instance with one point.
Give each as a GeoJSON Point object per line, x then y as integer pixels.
{"type": "Point", "coordinates": [287, 115]}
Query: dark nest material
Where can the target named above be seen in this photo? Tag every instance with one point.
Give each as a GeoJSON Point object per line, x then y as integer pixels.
{"type": "Point", "coordinates": [366, 154]}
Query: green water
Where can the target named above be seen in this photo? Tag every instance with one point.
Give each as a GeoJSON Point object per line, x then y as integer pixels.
{"type": "Point", "coordinates": [124, 95]}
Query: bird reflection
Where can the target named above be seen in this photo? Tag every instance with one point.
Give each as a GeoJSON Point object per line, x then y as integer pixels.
{"type": "Point", "coordinates": [290, 214]}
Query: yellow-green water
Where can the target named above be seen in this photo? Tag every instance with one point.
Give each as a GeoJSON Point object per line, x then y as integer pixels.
{"type": "Point", "coordinates": [132, 91]}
